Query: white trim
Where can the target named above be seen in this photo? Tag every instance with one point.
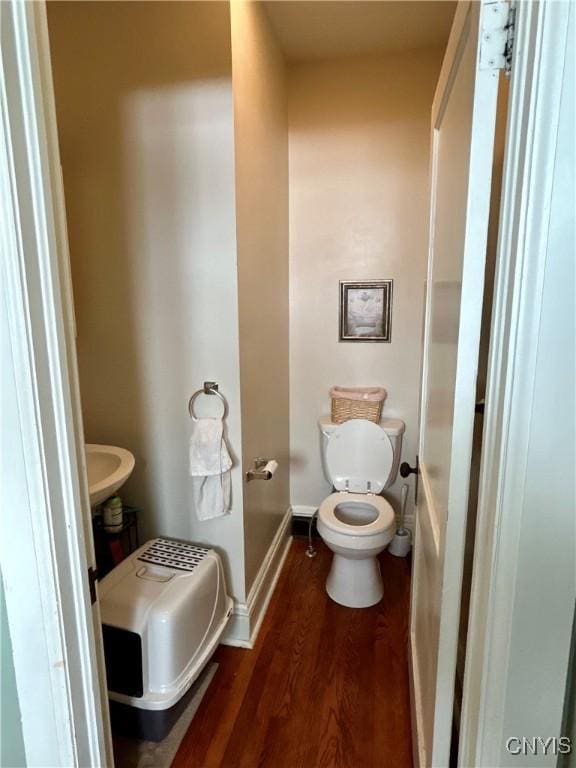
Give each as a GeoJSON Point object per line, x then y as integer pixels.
{"type": "Point", "coordinates": [303, 511]}
{"type": "Point", "coordinates": [238, 631]}
{"type": "Point", "coordinates": [69, 322]}
{"type": "Point", "coordinates": [43, 550]}
{"type": "Point", "coordinates": [448, 71]}
{"type": "Point", "coordinates": [527, 190]}
{"type": "Point", "coordinates": [247, 617]}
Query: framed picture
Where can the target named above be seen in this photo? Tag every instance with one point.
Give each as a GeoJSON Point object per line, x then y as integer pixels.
{"type": "Point", "coordinates": [365, 310]}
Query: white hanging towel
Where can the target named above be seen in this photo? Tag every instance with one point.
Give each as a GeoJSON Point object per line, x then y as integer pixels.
{"type": "Point", "coordinates": [210, 465]}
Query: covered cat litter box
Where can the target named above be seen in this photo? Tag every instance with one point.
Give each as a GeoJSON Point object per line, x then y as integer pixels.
{"type": "Point", "coordinates": [164, 610]}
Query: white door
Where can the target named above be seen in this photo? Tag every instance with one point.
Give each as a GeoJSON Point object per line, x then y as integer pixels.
{"type": "Point", "coordinates": [462, 136]}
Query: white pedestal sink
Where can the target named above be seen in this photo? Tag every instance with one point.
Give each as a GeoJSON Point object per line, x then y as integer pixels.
{"type": "Point", "coordinates": [108, 469]}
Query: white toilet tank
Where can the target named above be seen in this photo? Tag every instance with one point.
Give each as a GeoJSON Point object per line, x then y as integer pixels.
{"type": "Point", "coordinates": [394, 428]}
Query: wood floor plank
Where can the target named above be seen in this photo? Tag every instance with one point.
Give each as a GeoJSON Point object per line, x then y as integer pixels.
{"type": "Point", "coordinates": [324, 687]}
{"type": "Point", "coordinates": [291, 714]}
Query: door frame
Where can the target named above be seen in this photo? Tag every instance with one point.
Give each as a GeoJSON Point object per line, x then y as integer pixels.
{"type": "Point", "coordinates": [531, 142]}
{"type": "Point", "coordinates": [45, 545]}
{"type": "Point", "coordinates": [538, 61]}
{"type": "Point", "coordinates": [60, 687]}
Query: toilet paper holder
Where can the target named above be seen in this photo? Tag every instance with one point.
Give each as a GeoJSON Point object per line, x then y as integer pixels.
{"type": "Point", "coordinates": [261, 469]}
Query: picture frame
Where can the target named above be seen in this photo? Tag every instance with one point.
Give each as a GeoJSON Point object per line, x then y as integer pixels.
{"type": "Point", "coordinates": [365, 310]}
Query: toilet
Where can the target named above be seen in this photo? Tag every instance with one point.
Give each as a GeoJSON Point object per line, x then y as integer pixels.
{"type": "Point", "coordinates": [360, 459]}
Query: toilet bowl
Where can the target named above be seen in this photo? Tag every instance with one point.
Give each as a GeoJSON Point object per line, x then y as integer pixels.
{"type": "Point", "coordinates": [356, 527]}
{"type": "Point", "coordinates": [356, 522]}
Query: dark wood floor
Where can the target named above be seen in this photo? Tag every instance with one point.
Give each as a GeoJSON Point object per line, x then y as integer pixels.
{"type": "Point", "coordinates": [324, 687]}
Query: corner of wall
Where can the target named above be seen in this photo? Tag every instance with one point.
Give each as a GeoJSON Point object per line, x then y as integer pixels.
{"type": "Point", "coordinates": [261, 183]}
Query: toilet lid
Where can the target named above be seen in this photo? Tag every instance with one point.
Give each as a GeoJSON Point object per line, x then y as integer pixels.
{"type": "Point", "coordinates": [359, 457]}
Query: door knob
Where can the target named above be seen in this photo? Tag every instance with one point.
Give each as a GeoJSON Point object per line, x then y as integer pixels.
{"type": "Point", "coordinates": [406, 470]}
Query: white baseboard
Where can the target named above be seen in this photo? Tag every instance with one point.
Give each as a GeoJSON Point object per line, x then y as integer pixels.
{"type": "Point", "coordinates": [247, 617]}
{"type": "Point", "coordinates": [303, 511]}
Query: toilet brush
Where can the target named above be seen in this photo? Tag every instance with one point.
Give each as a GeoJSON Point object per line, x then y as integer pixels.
{"type": "Point", "coordinates": [401, 543]}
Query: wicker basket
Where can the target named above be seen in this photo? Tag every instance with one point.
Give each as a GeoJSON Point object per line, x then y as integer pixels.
{"type": "Point", "coordinates": [357, 403]}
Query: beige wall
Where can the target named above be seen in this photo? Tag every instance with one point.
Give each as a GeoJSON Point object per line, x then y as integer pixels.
{"type": "Point", "coordinates": [261, 133]}
{"type": "Point", "coordinates": [145, 116]}
{"type": "Point", "coordinates": [175, 160]}
{"type": "Point", "coordinates": [359, 145]}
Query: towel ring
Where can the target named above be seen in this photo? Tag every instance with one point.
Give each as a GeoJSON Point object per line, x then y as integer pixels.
{"type": "Point", "coordinates": [209, 388]}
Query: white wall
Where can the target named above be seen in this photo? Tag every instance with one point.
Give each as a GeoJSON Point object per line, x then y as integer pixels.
{"type": "Point", "coordinates": [261, 152]}
{"type": "Point", "coordinates": [145, 116]}
{"type": "Point", "coordinates": [359, 146]}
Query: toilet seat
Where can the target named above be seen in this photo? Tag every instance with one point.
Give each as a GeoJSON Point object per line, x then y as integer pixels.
{"type": "Point", "coordinates": [384, 520]}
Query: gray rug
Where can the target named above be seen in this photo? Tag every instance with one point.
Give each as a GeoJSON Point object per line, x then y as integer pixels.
{"type": "Point", "coordinates": [133, 753]}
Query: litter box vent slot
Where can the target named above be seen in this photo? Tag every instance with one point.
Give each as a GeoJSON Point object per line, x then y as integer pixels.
{"type": "Point", "coordinates": [174, 554]}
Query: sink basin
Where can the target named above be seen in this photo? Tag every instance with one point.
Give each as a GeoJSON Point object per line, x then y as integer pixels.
{"type": "Point", "coordinates": [108, 469]}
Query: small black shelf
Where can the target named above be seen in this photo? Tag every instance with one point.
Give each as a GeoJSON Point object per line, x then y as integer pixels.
{"type": "Point", "coordinates": [112, 547]}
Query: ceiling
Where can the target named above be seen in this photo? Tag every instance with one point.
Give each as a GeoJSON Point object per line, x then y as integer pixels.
{"type": "Point", "coordinates": [319, 29]}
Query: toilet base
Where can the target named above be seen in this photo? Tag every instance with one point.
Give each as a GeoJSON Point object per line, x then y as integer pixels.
{"type": "Point", "coordinates": [355, 582]}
